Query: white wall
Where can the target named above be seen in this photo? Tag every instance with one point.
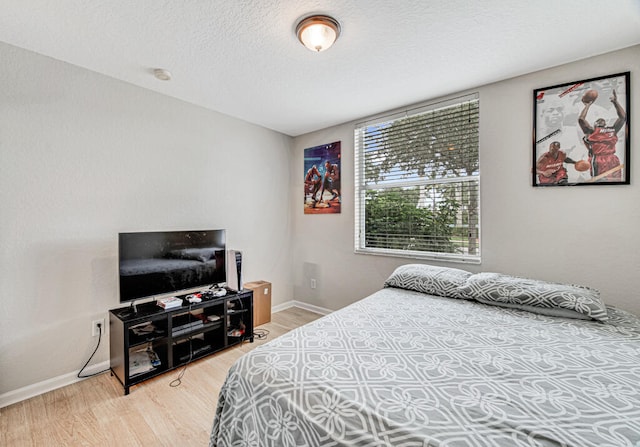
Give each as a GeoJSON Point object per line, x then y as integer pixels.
{"type": "Point", "coordinates": [584, 235]}
{"type": "Point", "coordinates": [83, 157]}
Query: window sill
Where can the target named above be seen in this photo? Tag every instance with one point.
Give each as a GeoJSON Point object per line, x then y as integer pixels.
{"type": "Point", "coordinates": [441, 257]}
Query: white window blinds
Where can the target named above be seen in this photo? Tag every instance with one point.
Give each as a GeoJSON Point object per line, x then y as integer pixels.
{"type": "Point", "coordinates": [417, 183]}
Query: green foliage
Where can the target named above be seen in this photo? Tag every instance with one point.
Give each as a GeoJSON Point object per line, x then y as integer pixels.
{"type": "Point", "coordinates": [439, 144]}
{"type": "Point", "coordinates": [394, 221]}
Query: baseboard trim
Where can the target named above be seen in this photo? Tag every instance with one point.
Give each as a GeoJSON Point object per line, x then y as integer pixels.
{"type": "Point", "coordinates": [45, 386]}
{"type": "Point", "coordinates": [301, 305]}
{"type": "Point", "coordinates": [54, 383]}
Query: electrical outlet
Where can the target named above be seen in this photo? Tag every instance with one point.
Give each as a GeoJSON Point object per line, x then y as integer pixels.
{"type": "Point", "coordinates": [95, 330]}
{"type": "Point", "coordinates": [313, 283]}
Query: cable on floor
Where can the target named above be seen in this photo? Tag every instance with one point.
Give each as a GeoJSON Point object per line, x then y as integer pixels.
{"type": "Point", "coordinates": [260, 334]}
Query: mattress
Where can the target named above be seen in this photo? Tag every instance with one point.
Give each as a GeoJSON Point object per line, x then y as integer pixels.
{"type": "Point", "coordinates": [403, 368]}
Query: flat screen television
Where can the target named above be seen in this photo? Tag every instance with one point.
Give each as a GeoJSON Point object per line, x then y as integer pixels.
{"type": "Point", "coordinates": [164, 263]}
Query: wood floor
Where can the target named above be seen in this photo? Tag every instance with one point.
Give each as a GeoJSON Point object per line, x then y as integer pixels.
{"type": "Point", "coordinates": [95, 412]}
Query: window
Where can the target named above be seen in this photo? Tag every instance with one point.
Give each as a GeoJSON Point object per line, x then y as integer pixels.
{"type": "Point", "coordinates": [417, 183]}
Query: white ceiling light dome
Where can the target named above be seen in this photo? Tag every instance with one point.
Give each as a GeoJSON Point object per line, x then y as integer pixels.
{"type": "Point", "coordinates": [318, 32]}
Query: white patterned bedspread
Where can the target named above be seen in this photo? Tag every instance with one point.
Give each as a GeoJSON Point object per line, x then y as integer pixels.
{"type": "Point", "coordinates": [402, 368]}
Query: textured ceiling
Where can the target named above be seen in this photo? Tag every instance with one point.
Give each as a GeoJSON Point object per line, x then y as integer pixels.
{"type": "Point", "coordinates": [241, 57]}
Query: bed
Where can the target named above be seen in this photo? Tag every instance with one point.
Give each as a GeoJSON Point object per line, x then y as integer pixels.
{"type": "Point", "coordinates": [423, 362]}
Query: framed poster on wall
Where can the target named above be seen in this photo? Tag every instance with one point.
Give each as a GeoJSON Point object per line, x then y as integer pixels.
{"type": "Point", "coordinates": [581, 132]}
{"type": "Point", "coordinates": [322, 179]}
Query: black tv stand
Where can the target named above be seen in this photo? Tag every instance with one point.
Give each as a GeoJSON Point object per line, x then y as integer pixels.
{"type": "Point", "coordinates": [140, 310]}
{"type": "Point", "coordinates": [126, 314]}
{"type": "Point", "coordinates": [150, 341]}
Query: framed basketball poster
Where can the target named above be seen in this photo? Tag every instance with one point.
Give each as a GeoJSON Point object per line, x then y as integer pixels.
{"type": "Point", "coordinates": [581, 133]}
{"type": "Point", "coordinates": [322, 193]}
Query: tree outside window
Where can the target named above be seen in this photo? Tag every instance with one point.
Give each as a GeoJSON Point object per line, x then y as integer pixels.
{"type": "Point", "coordinates": [417, 183]}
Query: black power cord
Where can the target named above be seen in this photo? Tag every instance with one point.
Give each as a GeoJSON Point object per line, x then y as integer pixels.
{"type": "Point", "coordinates": [178, 380]}
{"type": "Point", "coordinates": [80, 376]}
{"type": "Point", "coordinates": [260, 334]}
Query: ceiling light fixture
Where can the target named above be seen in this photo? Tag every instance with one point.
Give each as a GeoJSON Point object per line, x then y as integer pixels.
{"type": "Point", "coordinates": [318, 32]}
{"type": "Point", "coordinates": [162, 74]}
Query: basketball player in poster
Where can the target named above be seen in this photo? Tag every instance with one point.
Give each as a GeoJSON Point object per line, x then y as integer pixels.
{"type": "Point", "coordinates": [554, 121]}
{"type": "Point", "coordinates": [331, 181]}
{"type": "Point", "coordinates": [312, 183]}
{"type": "Point", "coordinates": [550, 166]}
{"type": "Point", "coordinates": [601, 139]}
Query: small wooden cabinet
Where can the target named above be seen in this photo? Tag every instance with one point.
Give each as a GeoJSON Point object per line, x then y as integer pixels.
{"type": "Point", "coordinates": [152, 340]}
{"type": "Point", "coordinates": [261, 301]}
